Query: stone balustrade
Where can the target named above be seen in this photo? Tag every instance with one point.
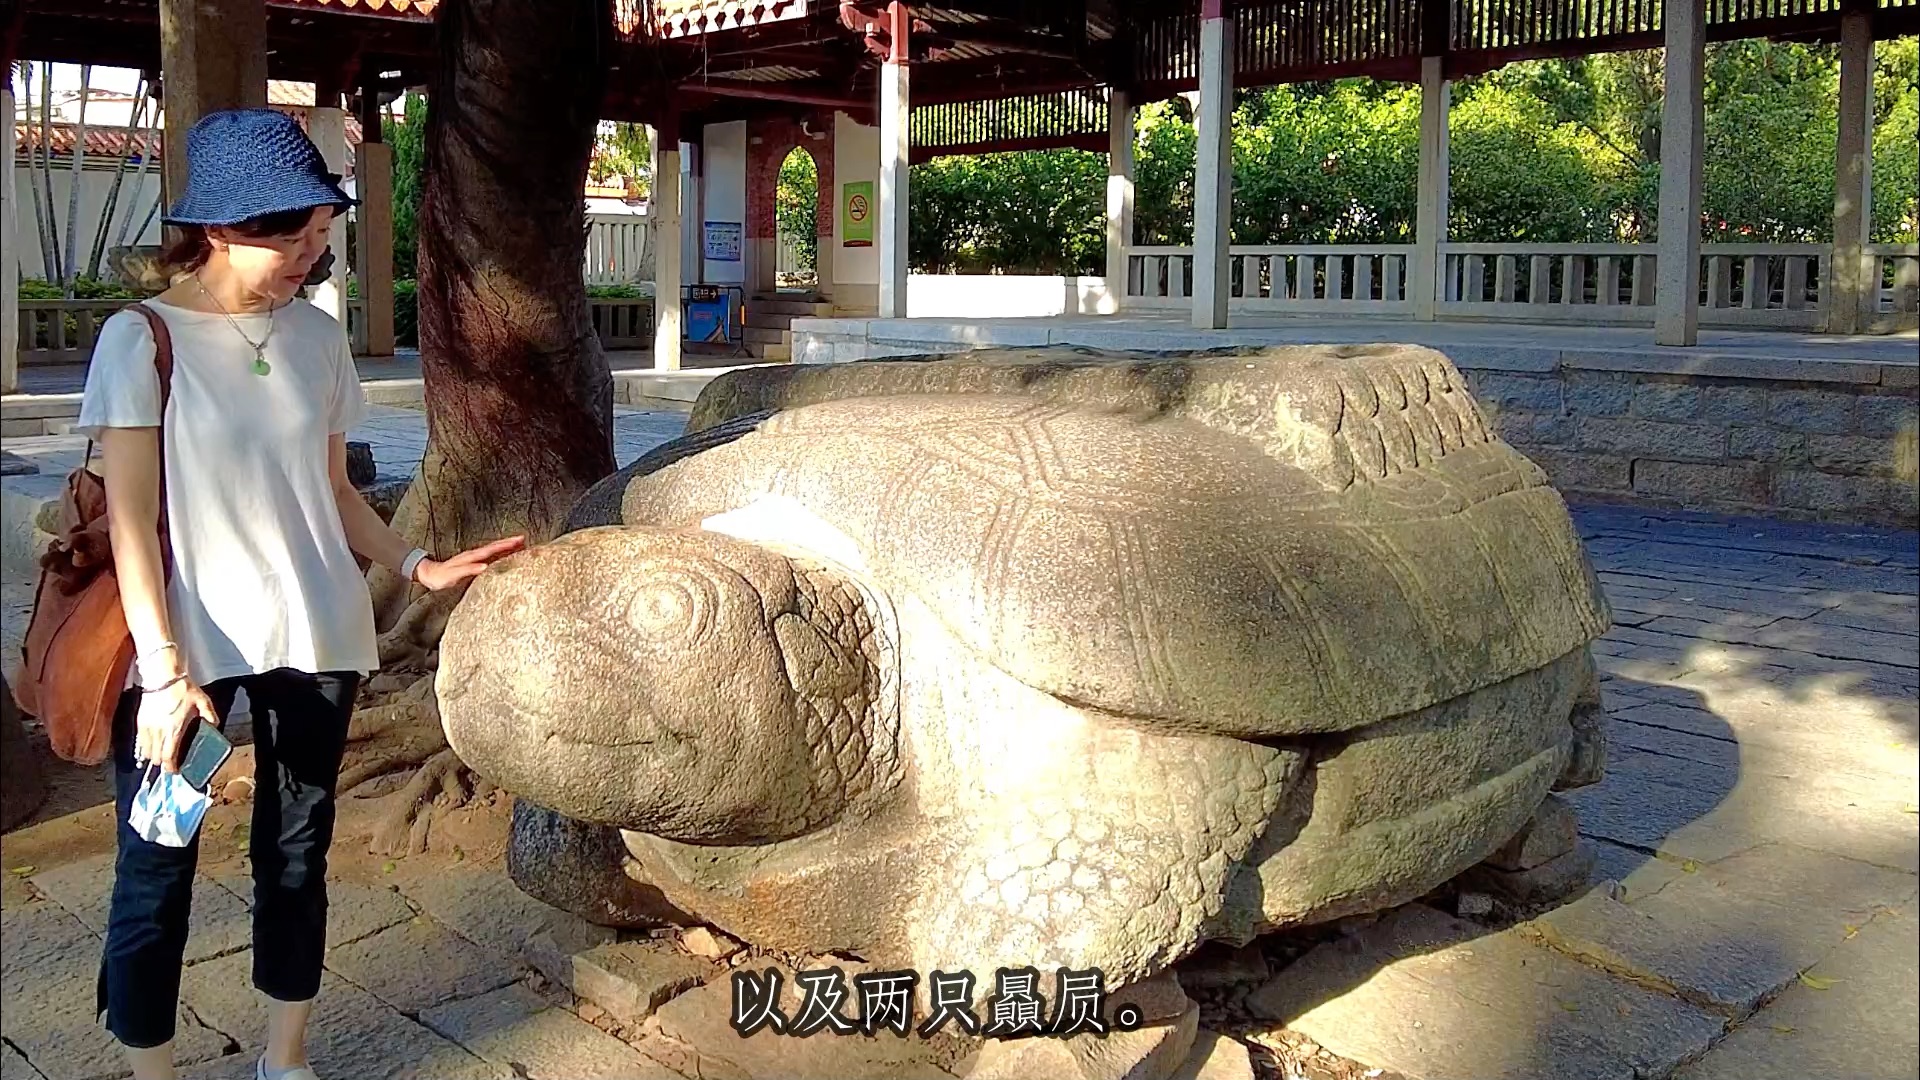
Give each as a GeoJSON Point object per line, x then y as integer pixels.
{"type": "Point", "coordinates": [62, 331]}
{"type": "Point", "coordinates": [1744, 286]}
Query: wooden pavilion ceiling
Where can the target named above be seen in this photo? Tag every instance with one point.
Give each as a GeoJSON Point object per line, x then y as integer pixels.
{"type": "Point", "coordinates": [728, 59]}
{"type": "Point", "coordinates": [307, 40]}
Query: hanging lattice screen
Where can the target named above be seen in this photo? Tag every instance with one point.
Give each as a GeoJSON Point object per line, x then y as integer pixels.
{"type": "Point", "coordinates": [1033, 122]}
{"type": "Point", "coordinates": [1289, 40]}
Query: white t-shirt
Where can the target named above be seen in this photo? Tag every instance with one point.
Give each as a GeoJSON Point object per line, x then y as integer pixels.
{"type": "Point", "coordinates": [263, 577]}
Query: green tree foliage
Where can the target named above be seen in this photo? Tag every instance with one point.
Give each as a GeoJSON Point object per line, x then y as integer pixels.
{"type": "Point", "coordinates": [1553, 151]}
{"type": "Point", "coordinates": [1032, 213]}
{"type": "Point", "coordinates": [796, 205]}
{"type": "Point", "coordinates": [622, 151]}
{"type": "Point", "coordinates": [408, 139]}
{"type": "Point", "coordinates": [1896, 142]}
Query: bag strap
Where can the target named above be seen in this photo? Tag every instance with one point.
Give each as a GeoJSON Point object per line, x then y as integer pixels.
{"type": "Point", "coordinates": [163, 367]}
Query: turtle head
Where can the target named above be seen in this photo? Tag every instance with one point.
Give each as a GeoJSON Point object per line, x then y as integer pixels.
{"type": "Point", "coordinates": [680, 683]}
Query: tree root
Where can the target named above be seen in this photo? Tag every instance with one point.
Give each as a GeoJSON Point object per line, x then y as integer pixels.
{"type": "Point", "coordinates": [403, 732]}
{"type": "Point", "coordinates": [414, 639]}
{"type": "Point", "coordinates": [441, 782]}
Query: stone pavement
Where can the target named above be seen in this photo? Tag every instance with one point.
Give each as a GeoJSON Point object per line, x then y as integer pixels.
{"type": "Point", "coordinates": [1754, 917]}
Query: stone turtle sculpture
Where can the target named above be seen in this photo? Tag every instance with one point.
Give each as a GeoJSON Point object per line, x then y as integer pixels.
{"type": "Point", "coordinates": [1035, 658]}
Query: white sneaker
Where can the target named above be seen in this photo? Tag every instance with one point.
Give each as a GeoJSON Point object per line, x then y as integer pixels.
{"type": "Point", "coordinates": [301, 1073]}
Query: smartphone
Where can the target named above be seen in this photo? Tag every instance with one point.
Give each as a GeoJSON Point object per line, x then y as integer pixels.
{"type": "Point", "coordinates": [207, 750]}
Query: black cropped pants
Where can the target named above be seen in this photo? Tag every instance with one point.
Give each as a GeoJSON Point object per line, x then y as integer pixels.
{"type": "Point", "coordinates": [299, 733]}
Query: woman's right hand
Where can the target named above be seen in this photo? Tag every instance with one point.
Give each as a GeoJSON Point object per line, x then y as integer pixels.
{"type": "Point", "coordinates": [165, 718]}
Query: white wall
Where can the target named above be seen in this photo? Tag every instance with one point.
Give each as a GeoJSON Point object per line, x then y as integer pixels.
{"type": "Point", "coordinates": [1004, 296]}
{"type": "Point", "coordinates": [94, 186]}
{"type": "Point", "coordinates": [856, 157]}
{"type": "Point", "coordinates": [726, 195]}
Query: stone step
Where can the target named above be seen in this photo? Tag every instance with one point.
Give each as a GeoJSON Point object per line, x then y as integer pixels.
{"type": "Point", "coordinates": [770, 350]}
{"type": "Point", "coordinates": [25, 416]}
{"type": "Point", "coordinates": [25, 406]}
{"type": "Point", "coordinates": [772, 335]}
{"type": "Point", "coordinates": [776, 320]}
{"type": "Point", "coordinates": [773, 305]}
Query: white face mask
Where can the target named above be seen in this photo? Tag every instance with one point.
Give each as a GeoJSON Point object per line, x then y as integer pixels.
{"type": "Point", "coordinates": [167, 810]}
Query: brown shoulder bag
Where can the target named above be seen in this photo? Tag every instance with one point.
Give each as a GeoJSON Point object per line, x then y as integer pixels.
{"type": "Point", "coordinates": [78, 649]}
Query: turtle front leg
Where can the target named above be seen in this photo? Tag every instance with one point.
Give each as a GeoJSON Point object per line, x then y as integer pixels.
{"type": "Point", "coordinates": [580, 868]}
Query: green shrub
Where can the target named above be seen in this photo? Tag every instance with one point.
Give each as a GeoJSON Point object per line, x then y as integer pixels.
{"type": "Point", "coordinates": [83, 289]}
{"type": "Point", "coordinates": [406, 313]}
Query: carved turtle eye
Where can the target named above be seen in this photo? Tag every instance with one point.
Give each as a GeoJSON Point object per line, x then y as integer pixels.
{"type": "Point", "coordinates": [672, 605]}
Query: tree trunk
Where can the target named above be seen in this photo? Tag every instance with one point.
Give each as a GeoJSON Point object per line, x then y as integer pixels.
{"type": "Point", "coordinates": [102, 230]}
{"type": "Point", "coordinates": [519, 398]}
{"type": "Point", "coordinates": [518, 394]}
{"type": "Point", "coordinates": [42, 199]}
{"type": "Point", "coordinates": [70, 264]}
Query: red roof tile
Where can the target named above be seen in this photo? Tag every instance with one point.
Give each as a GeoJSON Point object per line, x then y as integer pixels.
{"type": "Point", "coordinates": [110, 141]}
{"type": "Point", "coordinates": [684, 18]}
{"type": "Point", "coordinates": [393, 9]}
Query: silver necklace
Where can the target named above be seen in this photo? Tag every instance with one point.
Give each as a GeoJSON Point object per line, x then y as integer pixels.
{"type": "Point", "coordinates": [260, 365]}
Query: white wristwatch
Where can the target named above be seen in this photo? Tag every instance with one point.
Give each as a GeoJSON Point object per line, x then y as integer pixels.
{"type": "Point", "coordinates": [412, 563]}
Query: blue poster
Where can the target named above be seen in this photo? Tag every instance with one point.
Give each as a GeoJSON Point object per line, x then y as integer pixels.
{"type": "Point", "coordinates": [723, 240]}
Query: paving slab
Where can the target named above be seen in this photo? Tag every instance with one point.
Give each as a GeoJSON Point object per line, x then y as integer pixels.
{"type": "Point", "coordinates": [1721, 752]}
{"type": "Point", "coordinates": [1851, 1016]}
{"type": "Point", "coordinates": [1432, 997]}
{"type": "Point", "coordinates": [483, 905]}
{"type": "Point", "coordinates": [49, 964]}
{"type": "Point", "coordinates": [1730, 972]}
{"type": "Point", "coordinates": [419, 964]}
{"type": "Point", "coordinates": [352, 1033]}
{"type": "Point", "coordinates": [218, 922]}
{"type": "Point", "coordinates": [15, 1067]}
{"type": "Point", "coordinates": [629, 979]}
{"type": "Point", "coordinates": [354, 910]}
{"type": "Point", "coordinates": [516, 1029]}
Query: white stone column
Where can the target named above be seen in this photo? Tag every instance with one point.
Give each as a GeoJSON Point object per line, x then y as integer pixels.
{"type": "Point", "coordinates": [1213, 169]}
{"type": "Point", "coordinates": [1676, 319]}
{"type": "Point", "coordinates": [1852, 299]}
{"type": "Point", "coordinates": [667, 326]}
{"type": "Point", "coordinates": [1432, 203]}
{"type": "Point", "coordinates": [9, 247]}
{"type": "Point", "coordinates": [895, 155]}
{"type": "Point", "coordinates": [1120, 119]}
{"type": "Point", "coordinates": [327, 127]}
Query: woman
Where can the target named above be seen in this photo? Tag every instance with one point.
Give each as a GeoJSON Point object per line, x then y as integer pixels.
{"type": "Point", "coordinates": [265, 593]}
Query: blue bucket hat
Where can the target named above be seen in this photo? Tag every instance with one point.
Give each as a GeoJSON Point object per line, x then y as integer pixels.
{"type": "Point", "coordinates": [247, 163]}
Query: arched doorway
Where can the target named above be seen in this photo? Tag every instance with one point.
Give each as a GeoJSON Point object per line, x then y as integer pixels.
{"type": "Point", "coordinates": [796, 217]}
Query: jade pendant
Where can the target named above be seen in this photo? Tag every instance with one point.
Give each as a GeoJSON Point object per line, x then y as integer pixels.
{"type": "Point", "coordinates": [260, 365]}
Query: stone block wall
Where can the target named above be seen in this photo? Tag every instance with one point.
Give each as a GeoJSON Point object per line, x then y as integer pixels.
{"type": "Point", "coordinates": [1827, 451]}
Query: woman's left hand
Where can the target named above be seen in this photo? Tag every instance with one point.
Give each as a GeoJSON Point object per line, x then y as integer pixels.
{"type": "Point", "coordinates": [466, 566]}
